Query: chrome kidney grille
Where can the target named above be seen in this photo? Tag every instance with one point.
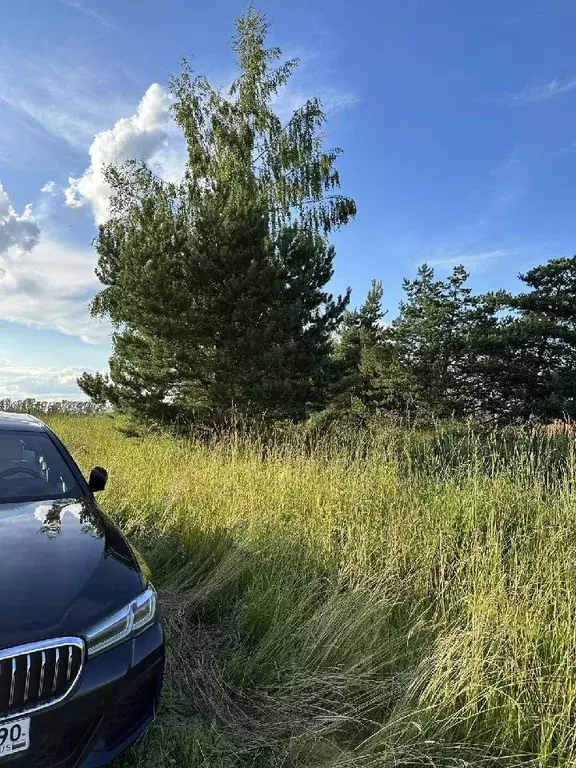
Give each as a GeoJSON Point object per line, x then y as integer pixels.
{"type": "Point", "coordinates": [38, 675]}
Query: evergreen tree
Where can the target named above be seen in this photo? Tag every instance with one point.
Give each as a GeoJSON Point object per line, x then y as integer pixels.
{"type": "Point", "coordinates": [533, 348]}
{"type": "Point", "coordinates": [432, 343]}
{"type": "Point", "coordinates": [216, 285]}
{"type": "Point", "coordinates": [365, 354]}
{"type": "Point", "coordinates": [482, 394]}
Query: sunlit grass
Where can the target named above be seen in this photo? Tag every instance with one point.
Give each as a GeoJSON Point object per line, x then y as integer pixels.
{"type": "Point", "coordinates": [397, 600]}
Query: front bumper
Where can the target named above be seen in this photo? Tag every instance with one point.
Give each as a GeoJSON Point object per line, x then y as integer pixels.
{"type": "Point", "coordinates": [113, 703]}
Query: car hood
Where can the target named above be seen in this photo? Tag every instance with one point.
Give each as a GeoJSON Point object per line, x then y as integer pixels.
{"type": "Point", "coordinates": [63, 567]}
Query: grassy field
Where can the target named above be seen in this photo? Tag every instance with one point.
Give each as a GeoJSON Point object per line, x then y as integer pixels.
{"type": "Point", "coordinates": [400, 599]}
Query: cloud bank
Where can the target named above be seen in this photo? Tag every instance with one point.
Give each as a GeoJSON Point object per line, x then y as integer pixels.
{"type": "Point", "coordinates": [43, 282]}
{"type": "Point", "coordinates": [51, 287]}
{"type": "Point", "coordinates": [18, 382]}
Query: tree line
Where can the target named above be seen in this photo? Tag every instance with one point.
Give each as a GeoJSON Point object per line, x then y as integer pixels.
{"type": "Point", "coordinates": [68, 407]}
{"type": "Point", "coordinates": [216, 286]}
{"type": "Point", "coordinates": [496, 357]}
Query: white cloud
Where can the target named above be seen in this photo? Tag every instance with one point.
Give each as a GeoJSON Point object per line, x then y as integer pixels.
{"type": "Point", "coordinates": [51, 287]}
{"type": "Point", "coordinates": [16, 230]}
{"type": "Point", "coordinates": [474, 261]}
{"type": "Point", "coordinates": [142, 136]}
{"type": "Point", "coordinates": [49, 188]}
{"type": "Point", "coordinates": [18, 382]}
{"type": "Point", "coordinates": [537, 92]}
{"type": "Point", "coordinates": [84, 9]}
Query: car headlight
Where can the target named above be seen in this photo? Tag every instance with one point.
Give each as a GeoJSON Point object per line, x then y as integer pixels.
{"type": "Point", "coordinates": [128, 622]}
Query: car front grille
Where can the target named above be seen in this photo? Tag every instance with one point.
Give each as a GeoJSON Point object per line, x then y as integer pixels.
{"type": "Point", "coordinates": [38, 675]}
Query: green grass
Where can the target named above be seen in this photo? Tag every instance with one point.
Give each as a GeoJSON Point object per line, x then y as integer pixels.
{"type": "Point", "coordinates": [400, 599]}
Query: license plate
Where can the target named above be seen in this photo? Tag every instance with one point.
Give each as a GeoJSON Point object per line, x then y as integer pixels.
{"type": "Point", "coordinates": [14, 736]}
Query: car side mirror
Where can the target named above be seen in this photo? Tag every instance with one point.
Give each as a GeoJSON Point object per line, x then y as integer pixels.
{"type": "Point", "coordinates": [98, 479]}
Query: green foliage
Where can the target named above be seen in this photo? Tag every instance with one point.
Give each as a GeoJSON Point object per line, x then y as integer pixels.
{"type": "Point", "coordinates": [431, 337]}
{"type": "Point", "coordinates": [536, 352]}
{"type": "Point", "coordinates": [450, 354]}
{"type": "Point", "coordinates": [364, 355]}
{"type": "Point", "coordinates": [248, 329]}
{"type": "Point", "coordinates": [237, 137]}
{"type": "Point", "coordinates": [425, 364]}
{"type": "Point", "coordinates": [97, 387]}
{"type": "Point", "coordinates": [216, 285]}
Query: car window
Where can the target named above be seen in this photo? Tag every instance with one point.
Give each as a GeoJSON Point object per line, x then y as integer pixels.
{"type": "Point", "coordinates": [32, 468]}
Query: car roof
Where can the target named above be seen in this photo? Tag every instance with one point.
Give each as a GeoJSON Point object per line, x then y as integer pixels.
{"type": "Point", "coordinates": [20, 422]}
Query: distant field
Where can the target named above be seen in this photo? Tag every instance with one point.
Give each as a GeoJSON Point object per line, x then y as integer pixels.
{"type": "Point", "coordinates": [403, 600]}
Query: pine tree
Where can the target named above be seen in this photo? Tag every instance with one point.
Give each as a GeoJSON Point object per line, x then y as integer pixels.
{"type": "Point", "coordinates": [365, 354]}
{"type": "Point", "coordinates": [216, 285]}
{"type": "Point", "coordinates": [533, 356]}
{"type": "Point", "coordinates": [431, 339]}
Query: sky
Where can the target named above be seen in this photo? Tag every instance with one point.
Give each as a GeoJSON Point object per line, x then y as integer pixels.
{"type": "Point", "coordinates": [457, 121]}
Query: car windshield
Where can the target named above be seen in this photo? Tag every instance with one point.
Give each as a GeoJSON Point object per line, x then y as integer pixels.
{"type": "Point", "coordinates": [33, 469]}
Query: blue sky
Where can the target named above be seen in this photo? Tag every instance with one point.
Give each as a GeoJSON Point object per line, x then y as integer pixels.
{"type": "Point", "coordinates": [457, 121]}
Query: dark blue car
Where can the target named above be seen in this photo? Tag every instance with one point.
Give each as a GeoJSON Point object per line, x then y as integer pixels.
{"type": "Point", "coordinates": [81, 643]}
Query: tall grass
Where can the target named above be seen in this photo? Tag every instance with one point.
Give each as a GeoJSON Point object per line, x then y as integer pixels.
{"type": "Point", "coordinates": [392, 599]}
